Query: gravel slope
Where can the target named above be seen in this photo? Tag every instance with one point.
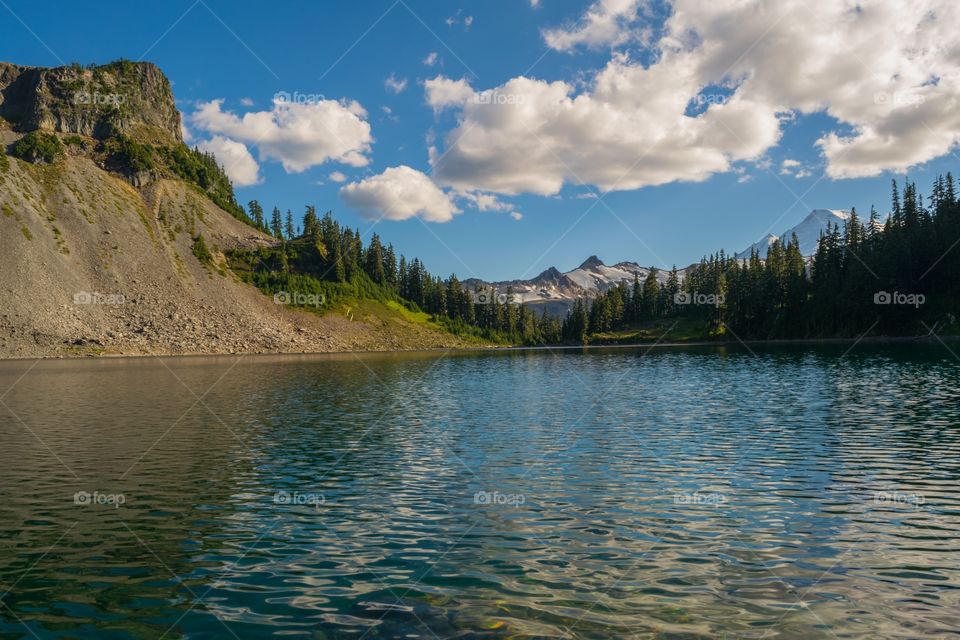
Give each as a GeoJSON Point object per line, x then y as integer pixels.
{"type": "Point", "coordinates": [72, 229]}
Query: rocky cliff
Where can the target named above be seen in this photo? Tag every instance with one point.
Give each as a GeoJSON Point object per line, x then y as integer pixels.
{"type": "Point", "coordinates": [129, 98]}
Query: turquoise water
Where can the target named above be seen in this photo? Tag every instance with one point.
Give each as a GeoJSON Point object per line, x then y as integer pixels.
{"type": "Point", "coordinates": [677, 493]}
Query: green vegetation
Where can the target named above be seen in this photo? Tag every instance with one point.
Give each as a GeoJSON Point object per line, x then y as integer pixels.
{"type": "Point", "coordinates": [329, 267]}
{"type": "Point", "coordinates": [38, 146]}
{"type": "Point", "coordinates": [127, 155]}
{"type": "Point", "coordinates": [896, 278]}
{"type": "Point", "coordinates": [74, 140]}
{"type": "Point", "coordinates": [200, 250]}
{"type": "Point", "coordinates": [4, 161]}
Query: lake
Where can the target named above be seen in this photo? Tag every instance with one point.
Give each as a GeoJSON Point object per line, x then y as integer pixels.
{"type": "Point", "coordinates": [789, 492]}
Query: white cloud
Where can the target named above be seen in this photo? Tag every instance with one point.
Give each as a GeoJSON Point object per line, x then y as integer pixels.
{"type": "Point", "coordinates": [888, 73]}
{"type": "Point", "coordinates": [338, 176]}
{"type": "Point", "coordinates": [299, 135]}
{"type": "Point", "coordinates": [399, 193]}
{"type": "Point", "coordinates": [606, 23]}
{"type": "Point", "coordinates": [535, 4]}
{"type": "Point", "coordinates": [394, 84]}
{"type": "Point", "coordinates": [235, 158]}
{"type": "Point", "coordinates": [488, 202]}
{"type": "Point", "coordinates": [455, 19]}
{"type": "Point", "coordinates": [516, 215]}
{"type": "Point", "coordinates": [443, 92]}
{"type": "Point", "coordinates": [788, 166]}
{"type": "Point", "coordinates": [431, 59]}
{"type": "Point", "coordinates": [795, 168]}
{"type": "Point", "coordinates": [247, 102]}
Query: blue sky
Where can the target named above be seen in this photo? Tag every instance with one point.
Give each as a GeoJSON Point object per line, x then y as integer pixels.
{"type": "Point", "coordinates": [244, 53]}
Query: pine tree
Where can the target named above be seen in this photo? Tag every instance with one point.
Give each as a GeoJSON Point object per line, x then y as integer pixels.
{"type": "Point", "coordinates": [276, 224]}
{"type": "Point", "coordinates": [256, 213]}
{"type": "Point", "coordinates": [651, 295]}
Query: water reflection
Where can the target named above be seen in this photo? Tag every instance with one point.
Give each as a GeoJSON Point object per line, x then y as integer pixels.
{"type": "Point", "coordinates": [789, 493]}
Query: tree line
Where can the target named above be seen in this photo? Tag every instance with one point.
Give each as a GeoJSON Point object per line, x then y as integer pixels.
{"type": "Point", "coordinates": [890, 277]}
{"type": "Point", "coordinates": [323, 258]}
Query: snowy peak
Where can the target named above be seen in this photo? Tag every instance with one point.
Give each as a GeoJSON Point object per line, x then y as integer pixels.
{"type": "Point", "coordinates": [592, 263]}
{"type": "Point", "coordinates": [808, 233]}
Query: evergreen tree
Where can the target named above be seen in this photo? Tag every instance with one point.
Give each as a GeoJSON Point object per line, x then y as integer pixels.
{"type": "Point", "coordinates": [256, 214]}
{"type": "Point", "coordinates": [276, 224]}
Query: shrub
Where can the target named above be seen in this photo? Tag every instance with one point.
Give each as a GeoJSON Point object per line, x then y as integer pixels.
{"type": "Point", "coordinates": [74, 140]}
{"type": "Point", "coordinates": [38, 146]}
{"type": "Point", "coordinates": [200, 250]}
{"type": "Point", "coordinates": [127, 154]}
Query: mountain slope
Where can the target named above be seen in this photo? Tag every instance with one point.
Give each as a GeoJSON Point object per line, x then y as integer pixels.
{"type": "Point", "coordinates": [98, 261]}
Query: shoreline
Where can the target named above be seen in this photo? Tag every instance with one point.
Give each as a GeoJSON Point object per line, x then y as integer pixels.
{"type": "Point", "coordinates": [744, 344]}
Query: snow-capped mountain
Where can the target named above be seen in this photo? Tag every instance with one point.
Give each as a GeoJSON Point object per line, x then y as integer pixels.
{"type": "Point", "coordinates": [557, 291]}
{"type": "Point", "coordinates": [807, 232]}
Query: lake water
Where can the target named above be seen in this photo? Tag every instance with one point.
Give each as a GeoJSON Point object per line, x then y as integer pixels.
{"type": "Point", "coordinates": [676, 493]}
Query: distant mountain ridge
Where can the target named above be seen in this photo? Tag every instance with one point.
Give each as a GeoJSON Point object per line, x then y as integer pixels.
{"type": "Point", "coordinates": [556, 291]}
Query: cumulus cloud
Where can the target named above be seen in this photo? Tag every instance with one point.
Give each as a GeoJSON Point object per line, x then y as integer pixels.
{"type": "Point", "coordinates": [395, 85]}
{"type": "Point", "coordinates": [399, 193]}
{"type": "Point", "coordinates": [888, 74]}
{"type": "Point", "coordinates": [298, 134]}
{"type": "Point", "coordinates": [431, 59]}
{"type": "Point", "coordinates": [338, 176]}
{"type": "Point", "coordinates": [606, 23]}
{"type": "Point", "coordinates": [235, 158]}
{"type": "Point", "coordinates": [443, 92]}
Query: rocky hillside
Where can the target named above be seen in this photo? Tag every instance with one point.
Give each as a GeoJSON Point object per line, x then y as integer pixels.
{"type": "Point", "coordinates": [104, 218]}
{"type": "Point", "coordinates": [97, 102]}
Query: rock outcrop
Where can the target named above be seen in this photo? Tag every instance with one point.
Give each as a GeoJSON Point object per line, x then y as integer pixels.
{"type": "Point", "coordinates": [130, 98]}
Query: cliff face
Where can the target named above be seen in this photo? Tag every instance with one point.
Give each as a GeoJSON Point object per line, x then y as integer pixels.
{"type": "Point", "coordinates": [132, 98]}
